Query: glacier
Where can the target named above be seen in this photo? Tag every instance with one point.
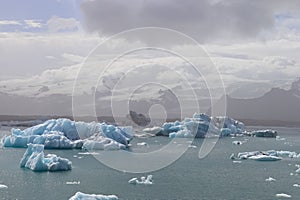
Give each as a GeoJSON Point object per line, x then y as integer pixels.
{"type": "Point", "coordinates": [199, 126]}
{"type": "Point", "coordinates": [66, 134]}
{"type": "Point", "coordinates": [83, 196]}
{"type": "Point", "coordinates": [35, 160]}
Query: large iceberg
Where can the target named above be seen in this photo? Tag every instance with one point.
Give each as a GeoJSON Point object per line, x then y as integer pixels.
{"type": "Point", "coordinates": [82, 196]}
{"type": "Point", "coordinates": [35, 160]}
{"type": "Point", "coordinates": [199, 126]}
{"type": "Point", "coordinates": [66, 134]}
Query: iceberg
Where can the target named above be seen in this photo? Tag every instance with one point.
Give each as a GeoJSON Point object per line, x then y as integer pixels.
{"type": "Point", "coordinates": [264, 133]}
{"type": "Point", "coordinates": [35, 160]}
{"type": "Point", "coordinates": [283, 195]}
{"type": "Point", "coordinates": [153, 130]}
{"type": "Point", "coordinates": [270, 179]}
{"type": "Point", "coordinates": [144, 180]}
{"type": "Point", "coordinates": [265, 158]}
{"type": "Point", "coordinates": [66, 134]}
{"type": "Point", "coordinates": [3, 186]}
{"type": "Point", "coordinates": [270, 155]}
{"type": "Point", "coordinates": [99, 142]}
{"type": "Point", "coordinates": [82, 196]}
{"type": "Point", "coordinates": [199, 126]}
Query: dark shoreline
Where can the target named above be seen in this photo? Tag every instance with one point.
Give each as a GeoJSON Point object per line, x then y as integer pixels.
{"type": "Point", "coordinates": [23, 118]}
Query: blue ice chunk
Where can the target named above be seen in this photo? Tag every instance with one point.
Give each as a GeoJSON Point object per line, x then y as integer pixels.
{"type": "Point", "coordinates": [35, 160]}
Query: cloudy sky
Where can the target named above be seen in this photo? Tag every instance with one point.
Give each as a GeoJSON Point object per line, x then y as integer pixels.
{"type": "Point", "coordinates": [43, 43]}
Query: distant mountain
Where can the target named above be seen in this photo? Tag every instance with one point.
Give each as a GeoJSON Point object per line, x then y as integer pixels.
{"type": "Point", "coordinates": [275, 105]}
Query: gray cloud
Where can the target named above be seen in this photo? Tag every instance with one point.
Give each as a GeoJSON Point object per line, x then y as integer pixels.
{"type": "Point", "coordinates": [203, 20]}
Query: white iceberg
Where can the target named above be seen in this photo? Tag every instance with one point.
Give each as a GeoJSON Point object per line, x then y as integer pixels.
{"type": "Point", "coordinates": [270, 179]}
{"type": "Point", "coordinates": [73, 182]}
{"type": "Point", "coordinates": [154, 130]}
{"type": "Point", "coordinates": [141, 144]}
{"type": "Point", "coordinates": [82, 196]}
{"type": "Point", "coordinates": [144, 180]}
{"type": "Point", "coordinates": [35, 160]}
{"type": "Point", "coordinates": [283, 195]}
{"type": "Point", "coordinates": [265, 158]}
{"type": "Point", "coordinates": [99, 142]}
{"type": "Point", "coordinates": [66, 134]}
{"type": "Point", "coordinates": [3, 186]}
{"type": "Point", "coordinates": [270, 155]}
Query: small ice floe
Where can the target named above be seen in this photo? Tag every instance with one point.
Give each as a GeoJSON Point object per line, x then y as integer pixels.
{"type": "Point", "coordinates": [3, 186]}
{"type": "Point", "coordinates": [296, 185]}
{"type": "Point", "coordinates": [237, 161]}
{"type": "Point", "coordinates": [265, 158]}
{"type": "Point", "coordinates": [278, 138]}
{"type": "Point", "coordinates": [144, 180]}
{"type": "Point", "coordinates": [88, 153]}
{"type": "Point", "coordinates": [232, 156]}
{"type": "Point", "coordinates": [291, 174]}
{"type": "Point", "coordinates": [192, 146]}
{"type": "Point", "coordinates": [237, 142]}
{"type": "Point", "coordinates": [142, 144]}
{"type": "Point", "coordinates": [270, 179]}
{"type": "Point", "coordinates": [283, 195]}
{"type": "Point", "coordinates": [73, 182]}
{"type": "Point", "coordinates": [80, 196]}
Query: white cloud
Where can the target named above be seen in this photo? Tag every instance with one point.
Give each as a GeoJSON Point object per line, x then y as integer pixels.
{"type": "Point", "coordinates": [9, 22]}
{"type": "Point", "coordinates": [33, 23]}
{"type": "Point", "coordinates": [56, 24]}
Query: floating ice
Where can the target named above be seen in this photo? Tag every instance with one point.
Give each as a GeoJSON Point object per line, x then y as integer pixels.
{"type": "Point", "coordinates": [35, 160]}
{"type": "Point", "coordinates": [82, 196]}
{"type": "Point", "coordinates": [265, 158]}
{"type": "Point", "coordinates": [88, 153]}
{"type": "Point", "coordinates": [99, 142]}
{"type": "Point", "coordinates": [181, 134]}
{"type": "Point", "coordinates": [73, 182]}
{"type": "Point", "coordinates": [278, 138]}
{"type": "Point", "coordinates": [264, 133]}
{"type": "Point", "coordinates": [199, 126]}
{"type": "Point", "coordinates": [144, 180]}
{"type": "Point", "coordinates": [237, 161]}
{"type": "Point", "coordinates": [283, 195]}
{"type": "Point", "coordinates": [270, 155]}
{"type": "Point", "coordinates": [270, 179]}
{"type": "Point", "coordinates": [66, 134]}
{"type": "Point", "coordinates": [3, 186]}
{"type": "Point", "coordinates": [142, 144]}
{"type": "Point", "coordinates": [154, 130]}
{"type": "Point", "coordinates": [296, 185]}
{"type": "Point", "coordinates": [192, 146]}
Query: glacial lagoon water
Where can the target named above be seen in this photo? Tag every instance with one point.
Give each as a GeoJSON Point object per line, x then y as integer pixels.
{"type": "Point", "coordinates": [216, 177]}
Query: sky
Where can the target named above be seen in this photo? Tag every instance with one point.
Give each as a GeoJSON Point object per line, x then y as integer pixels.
{"type": "Point", "coordinates": [43, 43]}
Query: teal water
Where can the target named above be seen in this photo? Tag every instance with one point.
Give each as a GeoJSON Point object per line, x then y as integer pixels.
{"type": "Point", "coordinates": [214, 177]}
